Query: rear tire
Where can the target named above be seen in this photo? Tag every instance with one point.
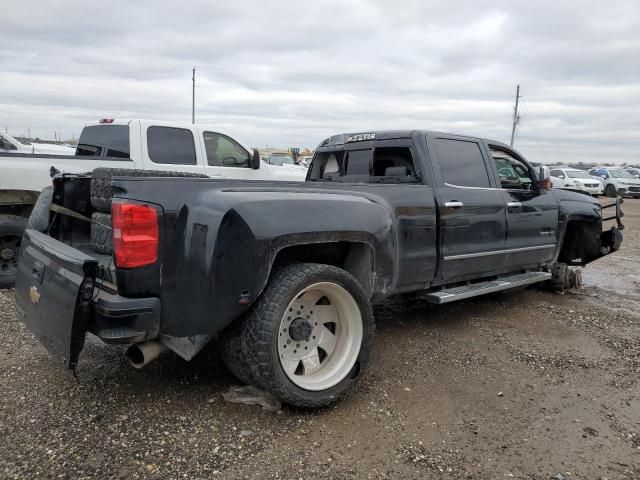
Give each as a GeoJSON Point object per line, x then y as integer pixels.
{"type": "Point", "coordinates": [101, 236]}
{"type": "Point", "coordinates": [610, 191]}
{"type": "Point", "coordinates": [11, 231]}
{"type": "Point", "coordinates": [329, 334]}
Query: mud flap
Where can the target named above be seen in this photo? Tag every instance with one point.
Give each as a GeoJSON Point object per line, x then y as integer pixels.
{"type": "Point", "coordinates": [54, 288]}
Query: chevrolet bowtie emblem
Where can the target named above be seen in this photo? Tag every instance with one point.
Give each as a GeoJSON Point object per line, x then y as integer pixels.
{"type": "Point", "coordinates": [34, 295]}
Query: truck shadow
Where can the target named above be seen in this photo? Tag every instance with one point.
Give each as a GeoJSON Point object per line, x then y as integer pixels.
{"type": "Point", "coordinates": [205, 378]}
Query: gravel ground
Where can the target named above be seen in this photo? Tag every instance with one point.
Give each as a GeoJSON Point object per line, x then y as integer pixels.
{"type": "Point", "coordinates": [526, 384]}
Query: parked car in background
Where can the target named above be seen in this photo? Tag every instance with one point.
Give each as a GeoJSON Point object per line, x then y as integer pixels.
{"type": "Point", "coordinates": [285, 161]}
{"type": "Point", "coordinates": [305, 161]}
{"type": "Point", "coordinates": [574, 179]}
{"type": "Point", "coordinates": [617, 181]}
{"type": "Point", "coordinates": [633, 171]}
{"type": "Point", "coordinates": [280, 160]}
{"type": "Point", "coordinates": [8, 144]}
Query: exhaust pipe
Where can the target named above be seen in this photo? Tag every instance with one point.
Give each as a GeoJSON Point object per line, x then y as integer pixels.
{"type": "Point", "coordinates": [140, 354]}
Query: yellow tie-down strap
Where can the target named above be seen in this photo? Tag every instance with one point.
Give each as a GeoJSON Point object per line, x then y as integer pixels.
{"type": "Point", "coordinates": [65, 211]}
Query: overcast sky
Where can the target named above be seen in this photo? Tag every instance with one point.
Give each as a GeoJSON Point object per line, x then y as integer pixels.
{"type": "Point", "coordinates": [290, 73]}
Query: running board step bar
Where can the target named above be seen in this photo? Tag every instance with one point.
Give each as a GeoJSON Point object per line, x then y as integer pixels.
{"type": "Point", "coordinates": [504, 283]}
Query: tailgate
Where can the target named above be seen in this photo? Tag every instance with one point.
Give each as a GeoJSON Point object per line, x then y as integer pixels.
{"type": "Point", "coordinates": [53, 294]}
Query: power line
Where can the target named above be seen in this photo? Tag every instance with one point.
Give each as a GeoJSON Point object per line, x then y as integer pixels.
{"type": "Point", "coordinates": [193, 96]}
{"type": "Point", "coordinates": [516, 117]}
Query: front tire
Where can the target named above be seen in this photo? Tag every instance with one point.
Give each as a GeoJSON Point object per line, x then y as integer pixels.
{"type": "Point", "coordinates": [309, 336]}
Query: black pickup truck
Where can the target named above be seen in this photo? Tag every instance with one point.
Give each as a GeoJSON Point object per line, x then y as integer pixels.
{"type": "Point", "coordinates": [286, 275]}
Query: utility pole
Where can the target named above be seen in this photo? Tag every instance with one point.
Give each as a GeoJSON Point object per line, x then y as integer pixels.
{"type": "Point", "coordinates": [516, 117]}
{"type": "Point", "coordinates": [193, 96]}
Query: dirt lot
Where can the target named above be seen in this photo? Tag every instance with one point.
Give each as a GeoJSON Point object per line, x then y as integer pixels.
{"type": "Point", "coordinates": [525, 384]}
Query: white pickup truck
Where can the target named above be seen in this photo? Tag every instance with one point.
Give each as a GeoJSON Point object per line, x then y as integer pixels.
{"type": "Point", "coordinates": [131, 144]}
{"type": "Point", "coordinates": [8, 144]}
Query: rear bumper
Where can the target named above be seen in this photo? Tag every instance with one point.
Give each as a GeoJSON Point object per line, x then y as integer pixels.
{"type": "Point", "coordinates": [59, 300]}
{"type": "Point", "coordinates": [122, 320]}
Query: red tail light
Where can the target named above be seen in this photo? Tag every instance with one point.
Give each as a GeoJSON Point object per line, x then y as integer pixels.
{"type": "Point", "coordinates": [135, 234]}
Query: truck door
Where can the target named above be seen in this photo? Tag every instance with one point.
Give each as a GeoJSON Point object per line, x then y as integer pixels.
{"type": "Point", "coordinates": [472, 210]}
{"type": "Point", "coordinates": [226, 158]}
{"type": "Point", "coordinates": [532, 214]}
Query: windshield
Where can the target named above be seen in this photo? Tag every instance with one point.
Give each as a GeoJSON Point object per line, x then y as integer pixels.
{"type": "Point", "coordinates": [281, 160]}
{"type": "Point", "coordinates": [578, 174]}
{"type": "Point", "coordinates": [506, 169]}
{"type": "Point", "coordinates": [620, 174]}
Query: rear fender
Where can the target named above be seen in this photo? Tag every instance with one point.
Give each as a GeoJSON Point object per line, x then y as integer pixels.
{"type": "Point", "coordinates": [222, 264]}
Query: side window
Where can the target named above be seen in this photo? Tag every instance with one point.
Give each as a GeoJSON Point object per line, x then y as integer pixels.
{"type": "Point", "coordinates": [223, 151]}
{"type": "Point", "coordinates": [393, 165]}
{"type": "Point", "coordinates": [171, 145]}
{"type": "Point", "coordinates": [557, 173]}
{"type": "Point", "coordinates": [461, 163]}
{"type": "Point", "coordinates": [514, 173]}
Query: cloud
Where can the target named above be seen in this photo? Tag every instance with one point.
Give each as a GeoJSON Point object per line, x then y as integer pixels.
{"type": "Point", "coordinates": [292, 73]}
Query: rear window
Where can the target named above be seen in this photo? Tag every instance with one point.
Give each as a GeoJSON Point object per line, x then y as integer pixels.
{"type": "Point", "coordinates": [357, 162]}
{"type": "Point", "coordinates": [171, 145]}
{"type": "Point", "coordinates": [104, 141]}
{"type": "Point", "coordinates": [380, 165]}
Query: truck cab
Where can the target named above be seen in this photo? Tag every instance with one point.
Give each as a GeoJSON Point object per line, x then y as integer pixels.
{"type": "Point", "coordinates": [194, 148]}
{"type": "Point", "coordinates": [494, 214]}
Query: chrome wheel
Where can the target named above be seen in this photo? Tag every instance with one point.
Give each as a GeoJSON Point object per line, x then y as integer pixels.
{"type": "Point", "coordinates": [319, 336]}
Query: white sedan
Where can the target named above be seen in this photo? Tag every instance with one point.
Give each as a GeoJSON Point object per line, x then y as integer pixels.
{"type": "Point", "coordinates": [574, 179]}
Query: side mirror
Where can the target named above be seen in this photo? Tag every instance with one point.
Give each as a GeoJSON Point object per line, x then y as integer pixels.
{"type": "Point", "coordinates": [544, 178]}
{"type": "Point", "coordinates": [254, 160]}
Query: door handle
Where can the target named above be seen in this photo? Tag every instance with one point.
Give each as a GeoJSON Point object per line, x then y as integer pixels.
{"type": "Point", "coordinates": [514, 204]}
{"type": "Point", "coordinates": [454, 204]}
